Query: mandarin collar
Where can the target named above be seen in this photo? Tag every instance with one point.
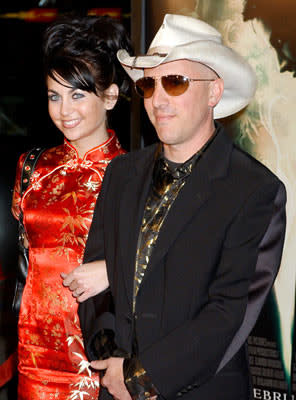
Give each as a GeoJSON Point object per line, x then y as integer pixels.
{"type": "Point", "coordinates": [103, 152]}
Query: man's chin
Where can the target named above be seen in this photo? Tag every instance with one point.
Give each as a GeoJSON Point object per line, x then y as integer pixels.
{"type": "Point", "coordinates": [165, 135]}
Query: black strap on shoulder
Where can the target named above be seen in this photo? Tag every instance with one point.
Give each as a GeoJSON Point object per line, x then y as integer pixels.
{"type": "Point", "coordinates": [28, 167]}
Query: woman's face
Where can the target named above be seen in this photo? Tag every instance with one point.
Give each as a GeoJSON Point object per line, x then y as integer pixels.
{"type": "Point", "coordinates": [79, 115]}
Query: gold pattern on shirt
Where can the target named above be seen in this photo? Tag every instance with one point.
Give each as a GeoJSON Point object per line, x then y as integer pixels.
{"type": "Point", "coordinates": [168, 179]}
{"type": "Point", "coordinates": [166, 185]}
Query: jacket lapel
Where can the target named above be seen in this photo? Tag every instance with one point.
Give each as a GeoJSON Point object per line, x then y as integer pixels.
{"type": "Point", "coordinates": [133, 199]}
{"type": "Point", "coordinates": [194, 194]}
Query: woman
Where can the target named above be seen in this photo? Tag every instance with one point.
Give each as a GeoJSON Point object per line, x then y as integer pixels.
{"type": "Point", "coordinates": [83, 81]}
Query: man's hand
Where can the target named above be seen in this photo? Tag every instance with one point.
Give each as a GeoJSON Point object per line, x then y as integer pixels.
{"type": "Point", "coordinates": [113, 379]}
{"type": "Point", "coordinates": [87, 280]}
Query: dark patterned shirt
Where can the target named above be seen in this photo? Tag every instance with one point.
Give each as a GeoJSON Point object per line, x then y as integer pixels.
{"type": "Point", "coordinates": [168, 179]}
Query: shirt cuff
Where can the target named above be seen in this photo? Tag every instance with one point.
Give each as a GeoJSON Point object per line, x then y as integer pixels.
{"type": "Point", "coordinates": [104, 346]}
{"type": "Point", "coordinates": [137, 381]}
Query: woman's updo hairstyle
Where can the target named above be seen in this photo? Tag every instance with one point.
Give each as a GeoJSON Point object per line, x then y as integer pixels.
{"type": "Point", "coordinates": [82, 51]}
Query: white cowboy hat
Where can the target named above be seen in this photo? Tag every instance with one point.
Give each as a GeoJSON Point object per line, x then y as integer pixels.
{"type": "Point", "coordinates": [181, 37]}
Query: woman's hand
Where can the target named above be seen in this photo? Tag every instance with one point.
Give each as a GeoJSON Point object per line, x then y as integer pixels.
{"type": "Point", "coordinates": [87, 280]}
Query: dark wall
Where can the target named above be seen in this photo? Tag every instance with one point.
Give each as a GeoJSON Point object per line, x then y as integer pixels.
{"type": "Point", "coordinates": [24, 120]}
{"type": "Point", "coordinates": [23, 101]}
{"type": "Point", "coordinates": [24, 123]}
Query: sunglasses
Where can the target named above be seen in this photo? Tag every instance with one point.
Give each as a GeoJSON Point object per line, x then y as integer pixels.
{"type": "Point", "coordinates": [174, 85]}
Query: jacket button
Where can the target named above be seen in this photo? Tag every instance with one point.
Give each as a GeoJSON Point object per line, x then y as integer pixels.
{"type": "Point", "coordinates": [128, 319]}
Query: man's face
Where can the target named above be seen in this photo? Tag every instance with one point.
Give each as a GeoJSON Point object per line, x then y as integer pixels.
{"type": "Point", "coordinates": [183, 123]}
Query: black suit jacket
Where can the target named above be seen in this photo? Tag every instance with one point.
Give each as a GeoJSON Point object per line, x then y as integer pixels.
{"type": "Point", "coordinates": [214, 262]}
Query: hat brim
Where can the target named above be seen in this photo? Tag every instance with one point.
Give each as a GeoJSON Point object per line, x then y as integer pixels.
{"type": "Point", "coordinates": [238, 76]}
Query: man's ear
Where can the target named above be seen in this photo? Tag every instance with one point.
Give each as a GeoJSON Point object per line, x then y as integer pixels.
{"type": "Point", "coordinates": [111, 96]}
{"type": "Point", "coordinates": [216, 89]}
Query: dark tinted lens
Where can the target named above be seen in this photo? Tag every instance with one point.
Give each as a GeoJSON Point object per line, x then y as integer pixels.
{"type": "Point", "coordinates": [145, 87]}
{"type": "Point", "coordinates": [175, 85]}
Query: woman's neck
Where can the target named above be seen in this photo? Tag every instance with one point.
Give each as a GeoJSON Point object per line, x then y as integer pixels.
{"type": "Point", "coordinates": [83, 145]}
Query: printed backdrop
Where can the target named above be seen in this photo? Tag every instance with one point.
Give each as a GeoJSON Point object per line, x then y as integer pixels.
{"type": "Point", "coordinates": [263, 31]}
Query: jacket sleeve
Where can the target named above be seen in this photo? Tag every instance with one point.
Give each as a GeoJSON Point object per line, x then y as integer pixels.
{"type": "Point", "coordinates": [248, 265]}
{"type": "Point", "coordinates": [96, 313]}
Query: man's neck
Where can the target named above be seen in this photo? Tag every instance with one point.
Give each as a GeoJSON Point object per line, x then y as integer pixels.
{"type": "Point", "coordinates": [180, 153]}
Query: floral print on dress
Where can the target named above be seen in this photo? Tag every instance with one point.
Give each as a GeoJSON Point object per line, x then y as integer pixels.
{"type": "Point", "coordinates": [58, 209]}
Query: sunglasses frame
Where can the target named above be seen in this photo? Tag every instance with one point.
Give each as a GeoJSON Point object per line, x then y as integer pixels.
{"type": "Point", "coordinates": [159, 78]}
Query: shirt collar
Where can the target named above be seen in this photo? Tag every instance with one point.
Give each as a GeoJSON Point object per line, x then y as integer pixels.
{"type": "Point", "coordinates": [181, 170]}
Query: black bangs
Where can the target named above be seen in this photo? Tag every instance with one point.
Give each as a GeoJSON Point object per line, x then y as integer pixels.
{"type": "Point", "coordinates": [74, 72]}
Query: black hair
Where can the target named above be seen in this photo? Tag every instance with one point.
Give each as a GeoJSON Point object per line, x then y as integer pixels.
{"type": "Point", "coordinates": [82, 51]}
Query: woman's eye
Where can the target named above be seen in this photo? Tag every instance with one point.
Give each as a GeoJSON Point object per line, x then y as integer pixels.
{"type": "Point", "coordinates": [77, 96]}
{"type": "Point", "coordinates": [53, 97]}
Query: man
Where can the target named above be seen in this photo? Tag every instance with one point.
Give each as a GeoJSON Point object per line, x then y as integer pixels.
{"type": "Point", "coordinates": [192, 230]}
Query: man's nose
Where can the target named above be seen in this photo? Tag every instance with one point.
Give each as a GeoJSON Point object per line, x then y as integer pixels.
{"type": "Point", "coordinates": [160, 96]}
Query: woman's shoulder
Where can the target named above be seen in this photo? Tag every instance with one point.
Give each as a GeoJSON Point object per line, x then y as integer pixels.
{"type": "Point", "coordinates": [55, 156]}
{"type": "Point", "coordinates": [41, 152]}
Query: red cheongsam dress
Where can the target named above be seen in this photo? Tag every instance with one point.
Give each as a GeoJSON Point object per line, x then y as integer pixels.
{"type": "Point", "coordinates": [58, 209]}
